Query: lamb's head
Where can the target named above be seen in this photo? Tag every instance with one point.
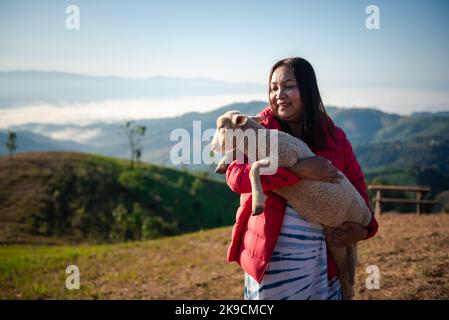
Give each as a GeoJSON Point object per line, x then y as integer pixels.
{"type": "Point", "coordinates": [223, 140]}
{"type": "Point", "coordinates": [226, 123]}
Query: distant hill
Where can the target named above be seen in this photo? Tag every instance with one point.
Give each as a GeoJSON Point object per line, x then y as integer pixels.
{"type": "Point", "coordinates": [420, 161]}
{"type": "Point", "coordinates": [362, 125]}
{"type": "Point", "coordinates": [80, 197]}
{"type": "Point", "coordinates": [156, 143]}
{"type": "Point", "coordinates": [30, 141]}
{"type": "Point", "coordinates": [413, 127]}
{"type": "Point", "coordinates": [391, 148]}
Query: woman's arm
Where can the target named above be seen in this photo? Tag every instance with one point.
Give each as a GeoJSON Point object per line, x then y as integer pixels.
{"type": "Point", "coordinates": [237, 178]}
{"type": "Point", "coordinates": [350, 232]}
{"type": "Point", "coordinates": [315, 168]}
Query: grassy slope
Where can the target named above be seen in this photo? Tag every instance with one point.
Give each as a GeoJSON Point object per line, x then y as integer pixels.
{"type": "Point", "coordinates": [27, 184]}
{"type": "Point", "coordinates": [411, 252]}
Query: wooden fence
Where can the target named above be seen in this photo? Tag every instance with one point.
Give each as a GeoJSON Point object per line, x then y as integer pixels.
{"type": "Point", "coordinates": [420, 193]}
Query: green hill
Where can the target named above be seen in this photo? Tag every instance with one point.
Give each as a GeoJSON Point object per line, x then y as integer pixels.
{"type": "Point", "coordinates": [361, 125]}
{"type": "Point", "coordinates": [58, 197]}
{"type": "Point", "coordinates": [420, 160]}
{"type": "Point", "coordinates": [391, 148]}
{"type": "Point", "coordinates": [409, 128]}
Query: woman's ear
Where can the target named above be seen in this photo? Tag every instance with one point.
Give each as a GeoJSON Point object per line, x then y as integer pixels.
{"type": "Point", "coordinates": [239, 120]}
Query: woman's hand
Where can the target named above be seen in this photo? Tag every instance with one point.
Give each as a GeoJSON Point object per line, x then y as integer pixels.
{"type": "Point", "coordinates": [345, 234]}
{"type": "Point", "coordinates": [317, 168]}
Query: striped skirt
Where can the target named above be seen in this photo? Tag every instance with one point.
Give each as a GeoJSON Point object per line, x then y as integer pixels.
{"type": "Point", "coordinates": [298, 266]}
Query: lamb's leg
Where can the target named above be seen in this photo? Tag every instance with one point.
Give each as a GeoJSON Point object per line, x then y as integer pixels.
{"type": "Point", "coordinates": [340, 256]}
{"type": "Point", "coordinates": [256, 186]}
{"type": "Point", "coordinates": [352, 262]}
{"type": "Point", "coordinates": [341, 261]}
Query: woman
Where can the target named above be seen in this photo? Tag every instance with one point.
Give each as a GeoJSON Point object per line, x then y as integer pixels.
{"type": "Point", "coordinates": [283, 255]}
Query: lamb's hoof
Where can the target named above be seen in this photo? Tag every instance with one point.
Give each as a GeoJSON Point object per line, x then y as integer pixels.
{"type": "Point", "coordinates": [257, 211]}
{"type": "Point", "coordinates": [221, 169]}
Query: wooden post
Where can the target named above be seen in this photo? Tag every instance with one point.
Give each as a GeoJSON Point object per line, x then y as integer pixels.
{"type": "Point", "coordinates": [378, 207]}
{"type": "Point", "coordinates": [420, 194]}
{"type": "Point", "coordinates": [418, 203]}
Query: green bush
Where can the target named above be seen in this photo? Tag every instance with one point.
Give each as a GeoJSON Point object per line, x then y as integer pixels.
{"type": "Point", "coordinates": [155, 227]}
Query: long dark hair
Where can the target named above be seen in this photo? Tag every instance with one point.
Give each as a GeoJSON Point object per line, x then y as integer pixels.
{"type": "Point", "coordinates": [314, 117]}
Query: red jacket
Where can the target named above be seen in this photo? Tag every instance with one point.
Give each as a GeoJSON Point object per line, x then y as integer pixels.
{"type": "Point", "coordinates": [254, 237]}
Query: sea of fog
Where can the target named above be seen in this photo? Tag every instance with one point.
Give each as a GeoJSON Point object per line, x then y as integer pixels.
{"type": "Point", "coordinates": [392, 100]}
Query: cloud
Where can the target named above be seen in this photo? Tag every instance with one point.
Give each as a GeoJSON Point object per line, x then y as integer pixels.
{"type": "Point", "coordinates": [79, 135]}
{"type": "Point", "coordinates": [115, 110]}
{"type": "Point", "coordinates": [402, 101]}
{"type": "Point", "coordinates": [394, 100]}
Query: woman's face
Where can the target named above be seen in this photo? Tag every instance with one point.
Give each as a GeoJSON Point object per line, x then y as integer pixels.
{"type": "Point", "coordinates": [285, 99]}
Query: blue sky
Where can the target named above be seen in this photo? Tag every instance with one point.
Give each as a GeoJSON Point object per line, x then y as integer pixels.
{"type": "Point", "coordinates": [234, 40]}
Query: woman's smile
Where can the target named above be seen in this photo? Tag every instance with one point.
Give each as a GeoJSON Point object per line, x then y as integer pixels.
{"type": "Point", "coordinates": [285, 97]}
{"type": "Point", "coordinates": [284, 105]}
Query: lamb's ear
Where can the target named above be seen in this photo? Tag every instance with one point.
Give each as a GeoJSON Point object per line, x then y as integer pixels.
{"type": "Point", "coordinates": [239, 120]}
{"type": "Point", "coordinates": [258, 119]}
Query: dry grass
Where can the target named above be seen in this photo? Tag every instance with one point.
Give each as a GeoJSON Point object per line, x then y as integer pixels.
{"type": "Point", "coordinates": [191, 266]}
{"type": "Point", "coordinates": [412, 254]}
{"type": "Point", "coordinates": [410, 251]}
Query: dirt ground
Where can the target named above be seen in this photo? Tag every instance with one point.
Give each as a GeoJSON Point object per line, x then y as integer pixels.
{"type": "Point", "coordinates": [410, 251]}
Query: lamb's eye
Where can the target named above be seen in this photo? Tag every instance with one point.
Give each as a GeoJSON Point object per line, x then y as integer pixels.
{"type": "Point", "coordinates": [220, 127]}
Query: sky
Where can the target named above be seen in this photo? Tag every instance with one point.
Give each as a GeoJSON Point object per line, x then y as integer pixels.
{"type": "Point", "coordinates": [402, 67]}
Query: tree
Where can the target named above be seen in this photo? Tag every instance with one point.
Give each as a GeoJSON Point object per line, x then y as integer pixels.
{"type": "Point", "coordinates": [196, 186]}
{"type": "Point", "coordinates": [134, 134]}
{"type": "Point", "coordinates": [138, 154]}
{"type": "Point", "coordinates": [11, 143]}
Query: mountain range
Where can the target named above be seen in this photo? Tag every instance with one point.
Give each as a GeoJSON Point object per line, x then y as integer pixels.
{"type": "Point", "coordinates": [391, 148]}
{"type": "Point", "coordinates": [362, 125]}
{"type": "Point", "coordinates": [35, 87]}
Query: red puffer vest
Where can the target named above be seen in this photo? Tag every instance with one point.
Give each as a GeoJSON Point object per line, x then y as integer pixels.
{"type": "Point", "coordinates": [254, 237]}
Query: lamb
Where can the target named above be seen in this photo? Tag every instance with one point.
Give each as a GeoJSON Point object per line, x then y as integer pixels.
{"type": "Point", "coordinates": [329, 204]}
